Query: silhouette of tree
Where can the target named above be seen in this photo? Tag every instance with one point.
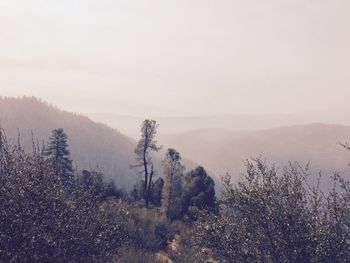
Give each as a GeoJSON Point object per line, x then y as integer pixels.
{"type": "Point", "coordinates": [143, 150]}
{"type": "Point", "coordinates": [58, 153]}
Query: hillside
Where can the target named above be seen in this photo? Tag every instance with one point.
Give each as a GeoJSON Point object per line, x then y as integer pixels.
{"type": "Point", "coordinates": [91, 144]}
{"type": "Point", "coordinates": [223, 151]}
{"type": "Point", "coordinates": [222, 143]}
{"type": "Point", "coordinates": [218, 150]}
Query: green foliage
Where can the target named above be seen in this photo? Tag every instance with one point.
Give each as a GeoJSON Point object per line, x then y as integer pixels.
{"type": "Point", "coordinates": [277, 217]}
{"type": "Point", "coordinates": [58, 153]}
{"type": "Point", "coordinates": [171, 197]}
{"type": "Point", "coordinates": [198, 193]}
{"type": "Point", "coordinates": [40, 223]}
{"type": "Point", "coordinates": [190, 194]}
{"type": "Point", "coordinates": [268, 216]}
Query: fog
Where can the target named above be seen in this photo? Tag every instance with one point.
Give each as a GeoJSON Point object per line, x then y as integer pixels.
{"type": "Point", "coordinates": [178, 58]}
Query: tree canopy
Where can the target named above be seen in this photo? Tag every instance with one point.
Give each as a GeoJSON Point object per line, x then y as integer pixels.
{"type": "Point", "coordinates": [143, 152]}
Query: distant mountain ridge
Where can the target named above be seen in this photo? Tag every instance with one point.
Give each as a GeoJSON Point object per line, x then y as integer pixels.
{"type": "Point", "coordinates": [91, 144]}
{"type": "Point", "coordinates": [224, 151]}
{"type": "Point", "coordinates": [222, 143]}
{"type": "Point", "coordinates": [170, 125]}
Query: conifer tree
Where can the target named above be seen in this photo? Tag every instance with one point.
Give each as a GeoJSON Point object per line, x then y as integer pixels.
{"type": "Point", "coordinates": [173, 170]}
{"type": "Point", "coordinates": [58, 153]}
{"type": "Point", "coordinates": [198, 192]}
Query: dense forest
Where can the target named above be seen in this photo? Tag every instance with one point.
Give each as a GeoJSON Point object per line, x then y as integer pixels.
{"type": "Point", "coordinates": [52, 211]}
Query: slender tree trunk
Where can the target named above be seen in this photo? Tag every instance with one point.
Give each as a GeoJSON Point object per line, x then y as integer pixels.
{"type": "Point", "coordinates": [145, 164]}
{"type": "Point", "coordinates": [149, 188]}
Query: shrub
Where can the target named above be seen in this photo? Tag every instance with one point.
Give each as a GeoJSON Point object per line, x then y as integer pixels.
{"type": "Point", "coordinates": [271, 216]}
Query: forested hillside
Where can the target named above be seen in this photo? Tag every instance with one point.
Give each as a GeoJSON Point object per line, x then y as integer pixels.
{"type": "Point", "coordinates": [92, 145]}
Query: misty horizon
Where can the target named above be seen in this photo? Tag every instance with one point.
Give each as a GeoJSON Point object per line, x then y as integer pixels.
{"type": "Point", "coordinates": [312, 112]}
{"type": "Point", "coordinates": [189, 58]}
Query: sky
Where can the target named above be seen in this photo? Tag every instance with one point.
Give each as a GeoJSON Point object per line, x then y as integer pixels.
{"type": "Point", "coordinates": [183, 57]}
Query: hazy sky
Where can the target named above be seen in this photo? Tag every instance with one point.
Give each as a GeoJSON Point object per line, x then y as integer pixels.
{"type": "Point", "coordinates": [183, 57]}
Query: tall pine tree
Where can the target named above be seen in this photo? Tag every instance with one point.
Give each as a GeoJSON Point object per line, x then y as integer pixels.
{"type": "Point", "coordinates": [58, 153]}
{"type": "Point", "coordinates": [143, 150]}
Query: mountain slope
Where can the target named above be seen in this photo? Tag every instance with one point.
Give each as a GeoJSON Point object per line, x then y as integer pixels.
{"type": "Point", "coordinates": [218, 150]}
{"type": "Point", "coordinates": [91, 144]}
{"type": "Point", "coordinates": [223, 151]}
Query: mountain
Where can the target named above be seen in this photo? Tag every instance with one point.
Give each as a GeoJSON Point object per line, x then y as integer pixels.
{"type": "Point", "coordinates": [222, 143]}
{"type": "Point", "coordinates": [126, 124]}
{"type": "Point", "coordinates": [169, 125]}
{"type": "Point", "coordinates": [91, 144]}
{"type": "Point", "coordinates": [223, 151]}
{"type": "Point", "coordinates": [218, 150]}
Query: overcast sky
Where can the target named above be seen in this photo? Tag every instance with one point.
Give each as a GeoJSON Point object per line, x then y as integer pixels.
{"type": "Point", "coordinates": [183, 57]}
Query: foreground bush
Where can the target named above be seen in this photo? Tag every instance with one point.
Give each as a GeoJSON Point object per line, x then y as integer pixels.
{"type": "Point", "coordinates": [272, 216]}
{"type": "Point", "coordinates": [40, 222]}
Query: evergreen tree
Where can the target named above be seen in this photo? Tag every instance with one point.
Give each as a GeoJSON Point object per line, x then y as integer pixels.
{"type": "Point", "coordinates": [173, 170]}
{"type": "Point", "coordinates": [58, 153]}
{"type": "Point", "coordinates": [143, 150]}
{"type": "Point", "coordinates": [198, 192]}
